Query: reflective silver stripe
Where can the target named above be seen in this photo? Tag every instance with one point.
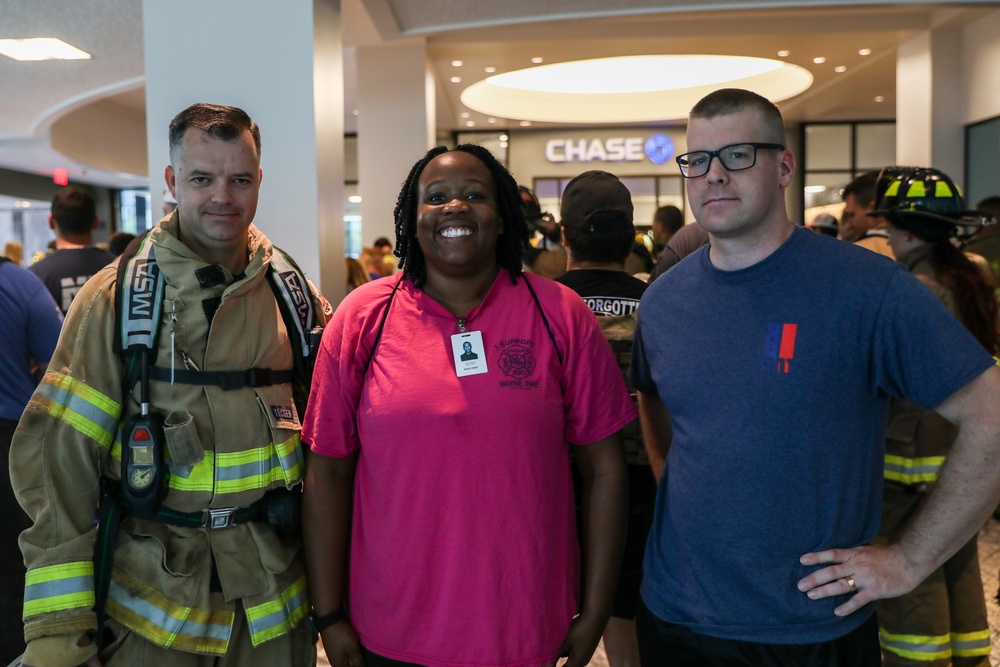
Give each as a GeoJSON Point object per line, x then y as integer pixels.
{"type": "Point", "coordinates": [50, 589]}
{"type": "Point", "coordinates": [286, 464]}
{"type": "Point", "coordinates": [163, 620]}
{"type": "Point", "coordinates": [103, 422]}
{"type": "Point", "coordinates": [281, 617]}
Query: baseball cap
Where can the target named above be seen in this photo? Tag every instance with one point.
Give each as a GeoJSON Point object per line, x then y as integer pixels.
{"type": "Point", "coordinates": [825, 221]}
{"type": "Point", "coordinates": [595, 198]}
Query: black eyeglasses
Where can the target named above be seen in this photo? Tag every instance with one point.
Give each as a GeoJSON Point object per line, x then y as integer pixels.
{"type": "Point", "coordinates": [736, 157]}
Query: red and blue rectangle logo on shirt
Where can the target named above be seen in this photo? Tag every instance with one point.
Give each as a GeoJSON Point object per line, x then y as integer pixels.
{"type": "Point", "coordinates": [779, 345]}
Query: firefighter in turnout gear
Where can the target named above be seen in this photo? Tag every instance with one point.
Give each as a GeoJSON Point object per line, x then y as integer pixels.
{"type": "Point", "coordinates": [203, 332]}
{"type": "Point", "coordinates": [942, 622]}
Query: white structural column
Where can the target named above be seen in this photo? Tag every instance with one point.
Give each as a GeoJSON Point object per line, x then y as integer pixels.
{"type": "Point", "coordinates": [282, 62]}
{"type": "Point", "coordinates": [929, 102]}
{"type": "Point", "coordinates": [396, 126]}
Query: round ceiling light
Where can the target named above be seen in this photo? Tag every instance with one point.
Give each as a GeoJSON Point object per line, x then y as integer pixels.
{"type": "Point", "coordinates": [629, 88]}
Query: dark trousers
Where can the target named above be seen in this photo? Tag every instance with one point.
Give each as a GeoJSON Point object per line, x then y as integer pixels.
{"type": "Point", "coordinates": [13, 520]}
{"type": "Point", "coordinates": [663, 644]}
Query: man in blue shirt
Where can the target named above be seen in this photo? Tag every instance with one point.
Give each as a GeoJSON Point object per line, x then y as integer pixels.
{"type": "Point", "coordinates": [29, 328]}
{"type": "Point", "coordinates": [769, 491]}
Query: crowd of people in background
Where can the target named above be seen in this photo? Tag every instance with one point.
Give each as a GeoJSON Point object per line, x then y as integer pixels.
{"type": "Point", "coordinates": [559, 430]}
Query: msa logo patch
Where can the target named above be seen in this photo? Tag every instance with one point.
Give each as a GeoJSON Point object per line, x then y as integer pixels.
{"type": "Point", "coordinates": [142, 289]}
{"type": "Point", "coordinates": [297, 291]}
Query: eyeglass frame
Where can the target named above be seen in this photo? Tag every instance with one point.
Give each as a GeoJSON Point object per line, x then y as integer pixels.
{"type": "Point", "coordinates": [718, 154]}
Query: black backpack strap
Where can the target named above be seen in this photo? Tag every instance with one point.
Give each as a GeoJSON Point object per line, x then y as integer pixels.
{"type": "Point", "coordinates": [541, 312]}
{"type": "Point", "coordinates": [381, 325]}
{"type": "Point", "coordinates": [291, 291]}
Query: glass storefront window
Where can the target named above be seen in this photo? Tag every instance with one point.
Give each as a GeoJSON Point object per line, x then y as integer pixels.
{"type": "Point", "coordinates": [875, 146]}
{"type": "Point", "coordinates": [982, 167]}
{"type": "Point", "coordinates": [828, 147]}
{"type": "Point", "coordinates": [134, 214]}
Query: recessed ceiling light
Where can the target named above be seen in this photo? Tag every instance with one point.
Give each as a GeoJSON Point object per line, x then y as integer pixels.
{"type": "Point", "coordinates": [465, 114]}
{"type": "Point", "coordinates": [629, 88]}
{"type": "Point", "coordinates": [839, 69]}
{"type": "Point", "coordinates": [354, 199]}
{"type": "Point", "coordinates": [456, 79]}
{"type": "Point", "coordinates": [503, 144]}
{"type": "Point", "coordinates": [814, 188]}
{"type": "Point", "coordinates": [879, 98]}
{"type": "Point", "coordinates": [41, 48]}
{"type": "Point", "coordinates": [537, 60]}
{"type": "Point", "coordinates": [524, 123]}
{"type": "Point", "coordinates": [491, 119]}
{"type": "Point", "coordinates": [864, 52]}
{"type": "Point", "coordinates": [456, 63]}
{"type": "Point", "coordinates": [819, 60]}
{"type": "Point", "coordinates": [489, 70]}
{"type": "Point", "coordinates": [783, 53]}
{"type": "Point", "coordinates": [504, 137]}
{"type": "Point", "coordinates": [470, 123]}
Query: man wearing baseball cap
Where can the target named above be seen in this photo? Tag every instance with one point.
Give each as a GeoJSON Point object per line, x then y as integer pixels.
{"type": "Point", "coordinates": [598, 233]}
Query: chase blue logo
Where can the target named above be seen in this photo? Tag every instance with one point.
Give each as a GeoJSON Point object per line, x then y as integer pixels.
{"type": "Point", "coordinates": [659, 148]}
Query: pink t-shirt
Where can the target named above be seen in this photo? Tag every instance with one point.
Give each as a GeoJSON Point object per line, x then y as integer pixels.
{"type": "Point", "coordinates": [464, 548]}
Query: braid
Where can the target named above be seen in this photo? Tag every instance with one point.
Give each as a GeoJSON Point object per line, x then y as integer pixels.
{"type": "Point", "coordinates": [411, 258]}
{"type": "Point", "coordinates": [511, 244]}
{"type": "Point", "coordinates": [973, 292]}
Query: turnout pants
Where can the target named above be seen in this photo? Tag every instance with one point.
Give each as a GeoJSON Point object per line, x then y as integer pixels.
{"type": "Point", "coordinates": [942, 622]}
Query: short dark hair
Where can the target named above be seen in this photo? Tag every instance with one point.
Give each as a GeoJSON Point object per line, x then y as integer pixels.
{"type": "Point", "coordinates": [671, 217]}
{"type": "Point", "coordinates": [609, 241]}
{"type": "Point", "coordinates": [990, 205]}
{"type": "Point", "coordinates": [511, 244]}
{"type": "Point", "coordinates": [382, 242]}
{"type": "Point", "coordinates": [218, 122]}
{"type": "Point", "coordinates": [74, 210]}
{"type": "Point", "coordinates": [863, 188]}
{"type": "Point", "coordinates": [728, 101]}
{"type": "Point", "coordinates": [118, 242]}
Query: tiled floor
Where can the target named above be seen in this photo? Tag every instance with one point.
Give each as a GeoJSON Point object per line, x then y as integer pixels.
{"type": "Point", "coordinates": [989, 557]}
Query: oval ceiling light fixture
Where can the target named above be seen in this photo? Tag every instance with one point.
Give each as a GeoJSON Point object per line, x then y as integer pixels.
{"type": "Point", "coordinates": [629, 89]}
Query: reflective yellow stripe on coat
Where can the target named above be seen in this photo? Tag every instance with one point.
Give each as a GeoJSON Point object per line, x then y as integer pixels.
{"type": "Point", "coordinates": [70, 401]}
{"type": "Point", "coordinates": [162, 621]}
{"type": "Point", "coordinates": [278, 617]}
{"type": "Point", "coordinates": [235, 472]}
{"type": "Point", "coordinates": [913, 471]}
{"type": "Point", "coordinates": [58, 588]}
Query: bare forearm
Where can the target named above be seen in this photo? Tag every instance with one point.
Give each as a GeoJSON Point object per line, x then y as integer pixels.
{"type": "Point", "coordinates": [605, 513]}
{"type": "Point", "coordinates": [968, 489]}
{"type": "Point", "coordinates": [656, 431]}
{"type": "Point", "coordinates": [326, 513]}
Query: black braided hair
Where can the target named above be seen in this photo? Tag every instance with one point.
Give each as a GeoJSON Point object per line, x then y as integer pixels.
{"type": "Point", "coordinates": [511, 244]}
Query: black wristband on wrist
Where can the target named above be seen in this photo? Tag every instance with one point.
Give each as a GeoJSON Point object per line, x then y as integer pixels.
{"type": "Point", "coordinates": [320, 623]}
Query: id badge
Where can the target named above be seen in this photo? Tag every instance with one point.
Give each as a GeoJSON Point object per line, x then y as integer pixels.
{"type": "Point", "coordinates": [469, 354]}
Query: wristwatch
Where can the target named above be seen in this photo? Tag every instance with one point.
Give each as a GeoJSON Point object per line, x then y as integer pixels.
{"type": "Point", "coordinates": [320, 623]}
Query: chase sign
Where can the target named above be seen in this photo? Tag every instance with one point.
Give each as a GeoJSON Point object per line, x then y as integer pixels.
{"type": "Point", "coordinates": [657, 149]}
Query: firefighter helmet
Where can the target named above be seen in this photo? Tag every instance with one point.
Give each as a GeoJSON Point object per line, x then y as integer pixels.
{"type": "Point", "coordinates": [924, 201]}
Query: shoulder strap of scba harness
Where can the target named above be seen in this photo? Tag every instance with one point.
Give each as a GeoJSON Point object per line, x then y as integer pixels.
{"type": "Point", "coordinates": [139, 306]}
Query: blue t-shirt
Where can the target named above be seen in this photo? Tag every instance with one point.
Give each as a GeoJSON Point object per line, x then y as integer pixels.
{"type": "Point", "coordinates": [29, 328]}
{"type": "Point", "coordinates": [777, 379]}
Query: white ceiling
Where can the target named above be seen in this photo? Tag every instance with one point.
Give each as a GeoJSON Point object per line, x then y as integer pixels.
{"type": "Point", "coordinates": [505, 35]}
